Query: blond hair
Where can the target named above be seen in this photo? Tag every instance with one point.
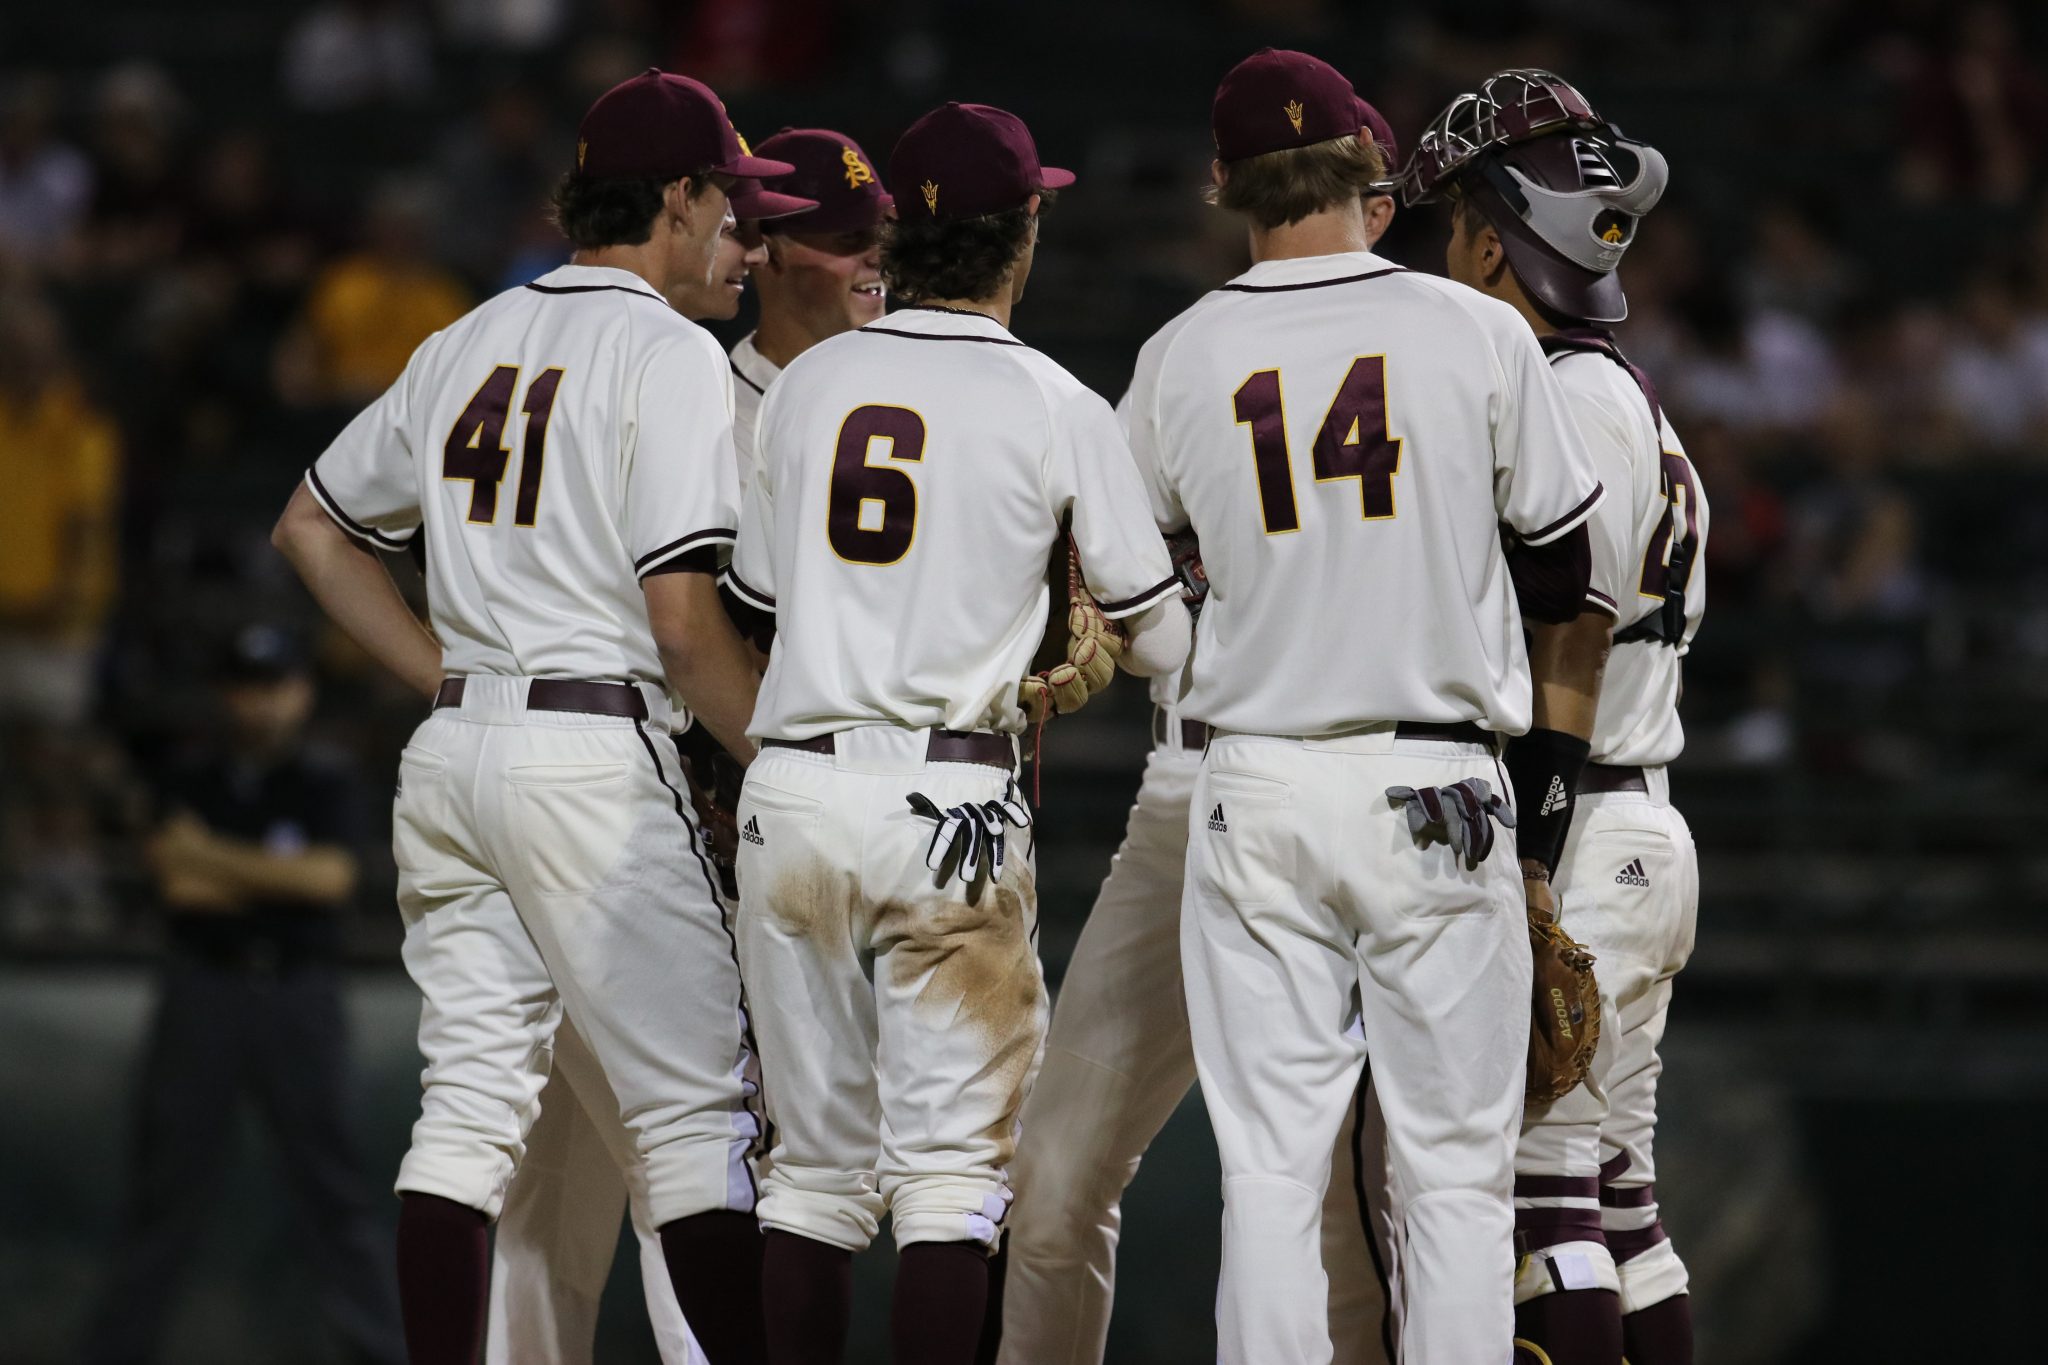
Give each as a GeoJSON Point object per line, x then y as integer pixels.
{"type": "Point", "coordinates": [1280, 188]}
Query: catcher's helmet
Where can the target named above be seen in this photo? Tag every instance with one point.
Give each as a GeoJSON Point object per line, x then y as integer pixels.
{"type": "Point", "coordinates": [1563, 186]}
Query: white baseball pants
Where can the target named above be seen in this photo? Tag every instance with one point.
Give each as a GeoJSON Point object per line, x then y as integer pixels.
{"type": "Point", "coordinates": [1308, 901]}
{"type": "Point", "coordinates": [1118, 1061]}
{"type": "Point", "coordinates": [899, 1012]}
{"type": "Point", "coordinates": [547, 861]}
{"type": "Point", "coordinates": [556, 1237]}
{"type": "Point", "coordinates": [1628, 888]}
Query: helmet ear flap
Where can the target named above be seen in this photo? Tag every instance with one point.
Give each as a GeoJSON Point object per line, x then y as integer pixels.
{"type": "Point", "coordinates": [1639, 194]}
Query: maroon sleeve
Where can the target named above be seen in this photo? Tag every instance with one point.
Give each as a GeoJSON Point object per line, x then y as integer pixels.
{"type": "Point", "coordinates": [1551, 579]}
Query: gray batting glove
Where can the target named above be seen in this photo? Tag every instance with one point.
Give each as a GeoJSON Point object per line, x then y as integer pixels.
{"type": "Point", "coordinates": [1456, 815]}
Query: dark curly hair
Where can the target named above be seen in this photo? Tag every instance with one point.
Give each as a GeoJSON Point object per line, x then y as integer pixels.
{"type": "Point", "coordinates": [966, 258]}
{"type": "Point", "coordinates": [594, 213]}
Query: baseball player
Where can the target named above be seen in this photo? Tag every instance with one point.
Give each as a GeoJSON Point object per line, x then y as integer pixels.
{"type": "Point", "coordinates": [1548, 196]}
{"type": "Point", "coordinates": [1359, 651]}
{"type": "Point", "coordinates": [559, 1228]}
{"type": "Point", "coordinates": [566, 450]}
{"type": "Point", "coordinates": [823, 270]}
{"type": "Point", "coordinates": [1118, 1062]}
{"type": "Point", "coordinates": [913, 477]}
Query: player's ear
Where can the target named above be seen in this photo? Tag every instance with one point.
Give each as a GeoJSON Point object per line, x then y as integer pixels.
{"type": "Point", "coordinates": [1491, 252]}
{"type": "Point", "coordinates": [675, 201]}
{"type": "Point", "coordinates": [1219, 174]}
{"type": "Point", "coordinates": [1379, 214]}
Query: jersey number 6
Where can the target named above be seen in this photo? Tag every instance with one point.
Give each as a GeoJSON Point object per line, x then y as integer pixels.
{"type": "Point", "coordinates": [856, 483]}
{"type": "Point", "coordinates": [1352, 443]}
{"type": "Point", "coordinates": [475, 449]}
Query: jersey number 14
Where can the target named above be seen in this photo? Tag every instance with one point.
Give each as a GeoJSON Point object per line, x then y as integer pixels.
{"type": "Point", "coordinates": [475, 449]}
{"type": "Point", "coordinates": [1352, 443]}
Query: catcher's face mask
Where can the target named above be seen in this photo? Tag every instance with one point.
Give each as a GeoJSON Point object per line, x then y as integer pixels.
{"type": "Point", "coordinates": [1563, 186]}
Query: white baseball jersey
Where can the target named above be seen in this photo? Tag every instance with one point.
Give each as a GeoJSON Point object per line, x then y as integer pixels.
{"type": "Point", "coordinates": [1346, 438]}
{"type": "Point", "coordinates": [1652, 534]}
{"type": "Point", "coordinates": [557, 444]}
{"type": "Point", "coordinates": [752, 373]}
{"type": "Point", "coordinates": [1165, 687]}
{"type": "Point", "coordinates": [912, 478]}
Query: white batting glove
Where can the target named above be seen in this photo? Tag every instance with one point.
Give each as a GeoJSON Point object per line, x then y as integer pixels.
{"type": "Point", "coordinates": [963, 836]}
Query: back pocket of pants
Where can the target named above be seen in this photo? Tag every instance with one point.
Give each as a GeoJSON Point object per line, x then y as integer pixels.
{"type": "Point", "coordinates": [1244, 837]}
{"type": "Point", "coordinates": [574, 822]}
{"type": "Point", "coordinates": [768, 815]}
{"type": "Point", "coordinates": [419, 810]}
{"type": "Point", "coordinates": [1624, 891]}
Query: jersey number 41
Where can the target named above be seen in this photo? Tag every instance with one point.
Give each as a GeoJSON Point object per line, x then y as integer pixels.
{"type": "Point", "coordinates": [475, 449]}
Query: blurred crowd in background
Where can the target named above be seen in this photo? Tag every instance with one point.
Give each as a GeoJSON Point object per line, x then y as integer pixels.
{"type": "Point", "coordinates": [223, 228]}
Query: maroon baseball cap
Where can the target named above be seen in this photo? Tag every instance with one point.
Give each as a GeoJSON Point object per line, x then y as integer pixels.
{"type": "Point", "coordinates": [660, 126]}
{"type": "Point", "coordinates": [1382, 133]}
{"type": "Point", "coordinates": [754, 202]}
{"type": "Point", "coordinates": [1275, 99]}
{"type": "Point", "coordinates": [968, 161]}
{"type": "Point", "coordinates": [836, 175]}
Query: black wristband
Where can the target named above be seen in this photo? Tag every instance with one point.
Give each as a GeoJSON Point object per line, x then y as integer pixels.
{"type": "Point", "coordinates": [1544, 767]}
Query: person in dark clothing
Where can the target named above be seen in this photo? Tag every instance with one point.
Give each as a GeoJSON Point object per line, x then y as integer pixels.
{"type": "Point", "coordinates": [254, 862]}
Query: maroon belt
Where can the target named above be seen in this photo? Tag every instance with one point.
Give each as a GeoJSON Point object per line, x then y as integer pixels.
{"type": "Point", "coordinates": [1193, 734]}
{"type": "Point", "coordinates": [1458, 731]}
{"type": "Point", "coordinates": [1596, 779]}
{"type": "Point", "coordinates": [941, 746]}
{"type": "Point", "coordinates": [563, 694]}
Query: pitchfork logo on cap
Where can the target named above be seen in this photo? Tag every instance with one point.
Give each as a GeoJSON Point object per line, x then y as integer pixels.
{"type": "Point", "coordinates": [858, 172]}
{"type": "Point", "coordinates": [931, 197]}
{"type": "Point", "coordinates": [582, 150]}
{"type": "Point", "coordinates": [1294, 112]}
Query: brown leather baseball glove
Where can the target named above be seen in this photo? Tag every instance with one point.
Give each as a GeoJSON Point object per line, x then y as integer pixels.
{"type": "Point", "coordinates": [1564, 1027]}
{"type": "Point", "coordinates": [1094, 644]}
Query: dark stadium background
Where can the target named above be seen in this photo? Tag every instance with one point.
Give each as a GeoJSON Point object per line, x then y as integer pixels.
{"type": "Point", "coordinates": [1844, 300]}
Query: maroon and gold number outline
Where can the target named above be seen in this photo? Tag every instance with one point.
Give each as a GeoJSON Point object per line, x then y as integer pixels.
{"type": "Point", "coordinates": [476, 451]}
{"type": "Point", "coordinates": [856, 481]}
{"type": "Point", "coordinates": [1345, 445]}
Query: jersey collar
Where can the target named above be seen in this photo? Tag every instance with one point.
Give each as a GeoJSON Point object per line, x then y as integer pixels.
{"type": "Point", "coordinates": [1311, 270]}
{"type": "Point", "coordinates": [754, 369]}
{"type": "Point", "coordinates": [593, 277]}
{"type": "Point", "coordinates": [937, 322]}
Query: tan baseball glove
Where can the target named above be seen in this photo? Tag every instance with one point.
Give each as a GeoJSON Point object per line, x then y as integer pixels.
{"type": "Point", "coordinates": [1564, 1027]}
{"type": "Point", "coordinates": [1094, 644]}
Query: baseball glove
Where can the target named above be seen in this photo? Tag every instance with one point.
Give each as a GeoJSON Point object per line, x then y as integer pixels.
{"type": "Point", "coordinates": [1094, 644]}
{"type": "Point", "coordinates": [1564, 1027]}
